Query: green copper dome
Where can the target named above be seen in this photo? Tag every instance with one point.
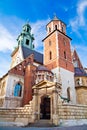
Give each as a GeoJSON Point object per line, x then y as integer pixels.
{"type": "Point", "coordinates": [26, 38]}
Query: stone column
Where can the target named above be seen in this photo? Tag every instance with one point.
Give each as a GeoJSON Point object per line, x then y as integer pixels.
{"type": "Point", "coordinates": [55, 107]}
{"type": "Point", "coordinates": [35, 104]}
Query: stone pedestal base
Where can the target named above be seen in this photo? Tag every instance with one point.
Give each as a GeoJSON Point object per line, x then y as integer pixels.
{"type": "Point", "coordinates": [34, 117]}
{"type": "Point", "coordinates": [55, 119]}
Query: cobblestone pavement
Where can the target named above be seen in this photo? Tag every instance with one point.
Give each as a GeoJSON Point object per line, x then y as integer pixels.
{"type": "Point", "coordinates": [83, 127]}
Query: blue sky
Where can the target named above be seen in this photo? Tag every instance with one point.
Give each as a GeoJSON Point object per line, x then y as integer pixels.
{"type": "Point", "coordinates": [15, 13]}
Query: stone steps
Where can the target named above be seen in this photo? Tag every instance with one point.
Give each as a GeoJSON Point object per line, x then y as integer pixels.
{"type": "Point", "coordinates": [41, 123]}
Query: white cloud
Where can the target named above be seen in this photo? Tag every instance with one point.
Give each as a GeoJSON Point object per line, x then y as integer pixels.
{"type": "Point", "coordinates": [10, 28]}
{"type": "Point", "coordinates": [78, 25]}
{"type": "Point", "coordinates": [79, 20]}
{"type": "Point", "coordinates": [80, 10]}
{"type": "Point", "coordinates": [82, 48]}
{"type": "Point", "coordinates": [7, 40]}
{"type": "Point", "coordinates": [39, 31]}
{"type": "Point", "coordinates": [82, 51]}
{"type": "Point", "coordinates": [4, 66]}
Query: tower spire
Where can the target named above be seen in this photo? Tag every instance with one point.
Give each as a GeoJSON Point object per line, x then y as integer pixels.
{"type": "Point", "coordinates": [26, 38]}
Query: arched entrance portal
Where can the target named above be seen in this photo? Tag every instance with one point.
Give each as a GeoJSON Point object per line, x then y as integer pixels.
{"type": "Point", "coordinates": [45, 108]}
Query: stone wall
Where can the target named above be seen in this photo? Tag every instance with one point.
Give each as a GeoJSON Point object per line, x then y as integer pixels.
{"type": "Point", "coordinates": [21, 115]}
{"type": "Point", "coordinates": [3, 83]}
{"type": "Point", "coordinates": [81, 93]}
{"type": "Point", "coordinates": [13, 102]}
{"type": "Point", "coordinates": [77, 114]}
{"type": "Point", "coordinates": [67, 115]}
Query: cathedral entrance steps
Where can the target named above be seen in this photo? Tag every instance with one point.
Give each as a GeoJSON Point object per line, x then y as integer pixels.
{"type": "Point", "coordinates": [42, 123]}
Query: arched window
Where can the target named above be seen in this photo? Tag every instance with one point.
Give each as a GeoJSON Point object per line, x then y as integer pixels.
{"type": "Point", "coordinates": [18, 90]}
{"type": "Point", "coordinates": [49, 42]}
{"type": "Point", "coordinates": [77, 82]}
{"type": "Point", "coordinates": [63, 29]}
{"type": "Point", "coordinates": [64, 43]}
{"type": "Point", "coordinates": [27, 42]}
{"type": "Point", "coordinates": [68, 93]}
{"type": "Point", "coordinates": [50, 55]}
{"type": "Point", "coordinates": [49, 29]}
{"type": "Point", "coordinates": [64, 54]}
{"type": "Point", "coordinates": [27, 29]}
{"type": "Point", "coordinates": [55, 27]}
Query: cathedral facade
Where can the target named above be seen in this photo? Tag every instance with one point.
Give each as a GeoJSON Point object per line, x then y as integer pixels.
{"type": "Point", "coordinates": [44, 80]}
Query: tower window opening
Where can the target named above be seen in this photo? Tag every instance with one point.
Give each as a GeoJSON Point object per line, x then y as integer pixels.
{"type": "Point", "coordinates": [49, 42]}
{"type": "Point", "coordinates": [55, 27]}
{"type": "Point", "coordinates": [27, 29]}
{"type": "Point", "coordinates": [64, 42]}
{"type": "Point", "coordinates": [50, 55]}
{"type": "Point", "coordinates": [66, 65]}
{"type": "Point", "coordinates": [68, 93]}
{"type": "Point", "coordinates": [62, 29]}
{"type": "Point", "coordinates": [49, 29]}
{"type": "Point", "coordinates": [64, 54]}
{"type": "Point", "coordinates": [27, 42]}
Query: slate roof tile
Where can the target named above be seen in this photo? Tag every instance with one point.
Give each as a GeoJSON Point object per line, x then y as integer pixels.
{"type": "Point", "coordinates": [80, 72]}
{"type": "Point", "coordinates": [38, 57]}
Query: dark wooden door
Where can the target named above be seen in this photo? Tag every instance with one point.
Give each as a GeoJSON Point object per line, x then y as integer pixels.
{"type": "Point", "coordinates": [45, 108]}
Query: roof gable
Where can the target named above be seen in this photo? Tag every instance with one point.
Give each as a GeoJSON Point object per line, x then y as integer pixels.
{"type": "Point", "coordinates": [76, 58]}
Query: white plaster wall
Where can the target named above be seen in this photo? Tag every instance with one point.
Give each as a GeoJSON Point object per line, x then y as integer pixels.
{"type": "Point", "coordinates": [67, 79]}
{"type": "Point", "coordinates": [19, 58]}
{"type": "Point", "coordinates": [11, 82]}
{"type": "Point", "coordinates": [13, 102]}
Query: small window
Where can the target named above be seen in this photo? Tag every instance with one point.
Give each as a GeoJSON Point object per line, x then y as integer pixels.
{"type": "Point", "coordinates": [77, 82]}
{"type": "Point", "coordinates": [18, 90]}
{"type": "Point", "coordinates": [68, 93]}
{"type": "Point", "coordinates": [27, 42]}
{"type": "Point", "coordinates": [55, 27]}
{"type": "Point", "coordinates": [49, 42]}
{"type": "Point", "coordinates": [64, 43]}
{"type": "Point", "coordinates": [64, 54]}
{"type": "Point", "coordinates": [50, 55]}
{"type": "Point", "coordinates": [66, 65]}
{"type": "Point", "coordinates": [27, 29]}
{"type": "Point", "coordinates": [62, 29]}
{"type": "Point", "coordinates": [49, 29]}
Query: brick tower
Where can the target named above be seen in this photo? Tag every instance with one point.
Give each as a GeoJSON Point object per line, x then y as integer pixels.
{"type": "Point", "coordinates": [57, 56]}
